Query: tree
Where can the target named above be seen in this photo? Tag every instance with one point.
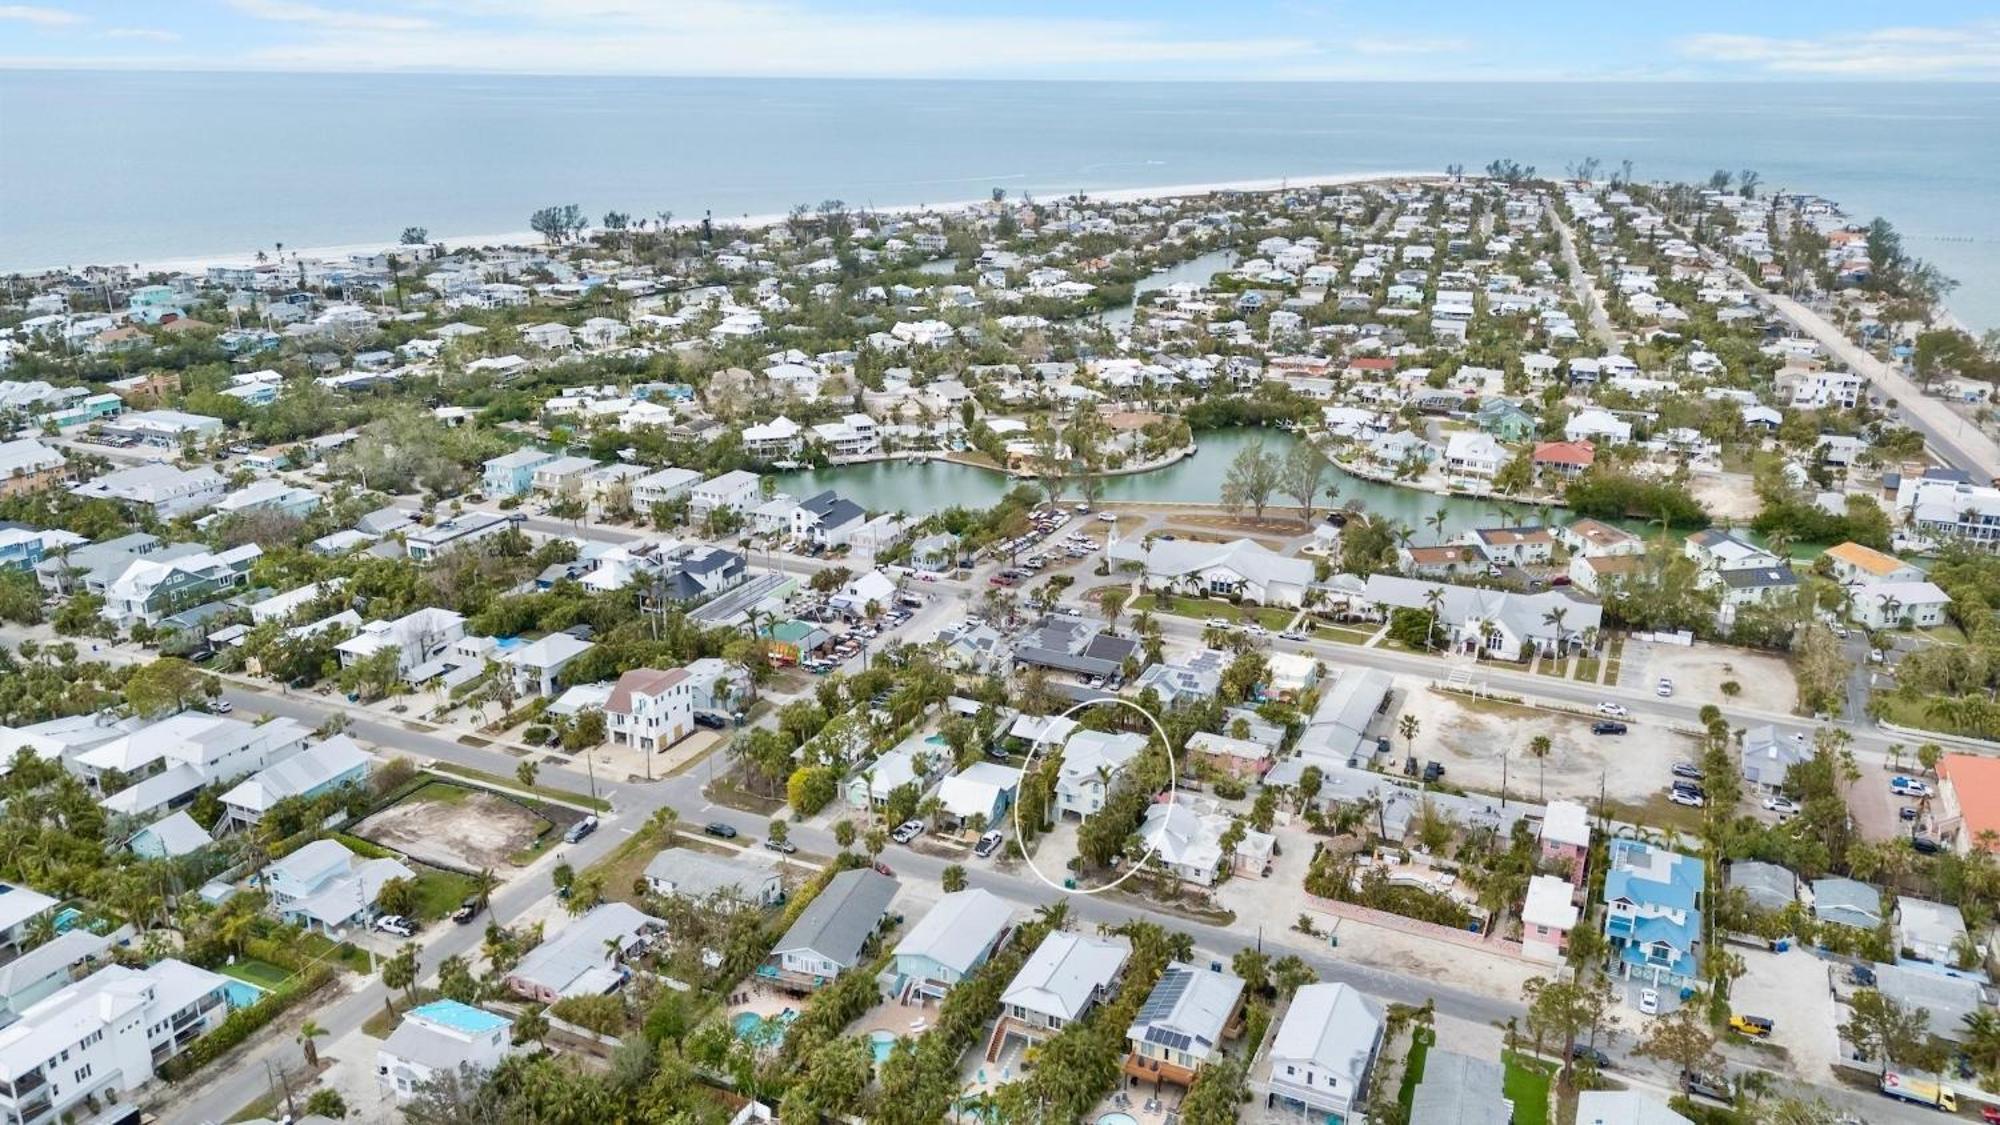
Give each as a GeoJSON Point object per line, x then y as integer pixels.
{"type": "Point", "coordinates": [326, 1102]}
{"type": "Point", "coordinates": [531, 1026]}
{"type": "Point", "coordinates": [399, 972]}
{"type": "Point", "coordinates": [1407, 726]}
{"type": "Point", "coordinates": [1253, 968]}
{"type": "Point", "coordinates": [455, 980]}
{"type": "Point", "coordinates": [844, 833]}
{"type": "Point", "coordinates": [1251, 479]}
{"type": "Point", "coordinates": [167, 684]}
{"type": "Point", "coordinates": [526, 772]}
{"type": "Point", "coordinates": [415, 236]}
{"type": "Point", "coordinates": [954, 878]}
{"type": "Point", "coordinates": [1299, 477]}
{"type": "Point", "coordinates": [1291, 974]}
{"type": "Point", "coordinates": [308, 1032]}
{"type": "Point", "coordinates": [1682, 1039]}
{"type": "Point", "coordinates": [397, 896]}
{"type": "Point", "coordinates": [1884, 1029]}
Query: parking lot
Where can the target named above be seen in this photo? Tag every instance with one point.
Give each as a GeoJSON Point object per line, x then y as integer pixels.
{"type": "Point", "coordinates": [1471, 736]}
{"type": "Point", "coordinates": [1764, 682]}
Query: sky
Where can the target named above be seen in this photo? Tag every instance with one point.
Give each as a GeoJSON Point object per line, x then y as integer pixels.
{"type": "Point", "coordinates": [1418, 40]}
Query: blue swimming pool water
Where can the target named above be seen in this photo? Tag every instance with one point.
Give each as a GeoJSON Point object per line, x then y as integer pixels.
{"type": "Point", "coordinates": [241, 993]}
{"type": "Point", "coordinates": [938, 740]}
{"type": "Point", "coordinates": [508, 644]}
{"type": "Point", "coordinates": [460, 1017]}
{"type": "Point", "coordinates": [882, 1042]}
{"type": "Point", "coordinates": [761, 1031]}
{"type": "Point", "coordinates": [1117, 1119]}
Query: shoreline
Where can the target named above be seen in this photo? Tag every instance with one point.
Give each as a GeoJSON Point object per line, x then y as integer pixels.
{"type": "Point", "coordinates": [195, 263]}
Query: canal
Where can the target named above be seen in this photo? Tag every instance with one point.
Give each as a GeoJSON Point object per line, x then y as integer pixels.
{"type": "Point", "coordinates": [921, 488]}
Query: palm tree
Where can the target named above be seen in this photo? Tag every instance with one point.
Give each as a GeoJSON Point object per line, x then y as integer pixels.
{"type": "Point", "coordinates": [1433, 598]}
{"type": "Point", "coordinates": [1556, 617]}
{"type": "Point", "coordinates": [309, 1031]}
{"type": "Point", "coordinates": [1539, 746]}
{"type": "Point", "coordinates": [1054, 915]}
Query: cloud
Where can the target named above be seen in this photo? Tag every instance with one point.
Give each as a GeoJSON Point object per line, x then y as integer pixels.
{"type": "Point", "coordinates": [148, 34]}
{"type": "Point", "coordinates": [754, 37]}
{"type": "Point", "coordinates": [40, 17]}
{"type": "Point", "coordinates": [287, 11]}
{"type": "Point", "coordinates": [1384, 46]}
{"type": "Point", "coordinates": [1971, 50]}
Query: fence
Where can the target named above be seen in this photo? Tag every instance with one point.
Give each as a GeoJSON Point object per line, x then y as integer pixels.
{"type": "Point", "coordinates": [1373, 917]}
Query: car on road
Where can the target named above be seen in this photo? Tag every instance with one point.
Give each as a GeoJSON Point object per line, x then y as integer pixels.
{"type": "Point", "coordinates": [784, 846]}
{"type": "Point", "coordinates": [220, 707]}
{"type": "Point", "coordinates": [1584, 1052]}
{"type": "Point", "coordinates": [1687, 797]}
{"type": "Point", "coordinates": [1687, 770]}
{"type": "Point", "coordinates": [580, 829]}
{"type": "Point", "coordinates": [907, 831]}
{"type": "Point", "coordinates": [1711, 1086]}
{"type": "Point", "coordinates": [884, 869]}
{"type": "Point", "coordinates": [1665, 688]}
{"type": "Point", "coordinates": [1218, 623]}
{"type": "Point", "coordinates": [1256, 630]}
{"type": "Point", "coordinates": [718, 829]}
{"type": "Point", "coordinates": [988, 844]}
{"type": "Point", "coordinates": [1613, 710]}
{"type": "Point", "coordinates": [1908, 787]}
{"type": "Point", "coordinates": [1606, 726]}
{"type": "Point", "coordinates": [1291, 635]}
{"type": "Point", "coordinates": [395, 924]}
{"type": "Point", "coordinates": [1907, 812]}
{"type": "Point", "coordinates": [467, 910]}
{"type": "Point", "coordinates": [1649, 1002]}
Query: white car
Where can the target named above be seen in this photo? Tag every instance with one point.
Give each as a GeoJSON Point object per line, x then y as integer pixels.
{"type": "Point", "coordinates": [1218, 623]}
{"type": "Point", "coordinates": [1649, 1002]}
{"type": "Point", "coordinates": [1613, 710]}
{"type": "Point", "coordinates": [395, 924]}
{"type": "Point", "coordinates": [1256, 630]}
{"type": "Point", "coordinates": [1784, 806]}
{"type": "Point", "coordinates": [1108, 517]}
{"type": "Point", "coordinates": [1666, 687]}
{"type": "Point", "coordinates": [1684, 797]}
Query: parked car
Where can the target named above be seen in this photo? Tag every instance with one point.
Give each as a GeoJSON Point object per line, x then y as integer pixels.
{"type": "Point", "coordinates": [907, 831]}
{"type": "Point", "coordinates": [1613, 710]}
{"type": "Point", "coordinates": [710, 719]}
{"type": "Point", "coordinates": [1926, 845]}
{"type": "Point", "coordinates": [1649, 1002]}
{"type": "Point", "coordinates": [395, 924]}
{"type": "Point", "coordinates": [1291, 635]}
{"type": "Point", "coordinates": [988, 844]}
{"type": "Point", "coordinates": [580, 829]}
{"type": "Point", "coordinates": [785, 846]}
{"type": "Point", "coordinates": [1218, 623]}
{"type": "Point", "coordinates": [1784, 806]}
{"type": "Point", "coordinates": [1108, 517]}
{"type": "Point", "coordinates": [1908, 787]}
{"type": "Point", "coordinates": [1684, 797]}
{"type": "Point", "coordinates": [719, 829]}
{"type": "Point", "coordinates": [1584, 1052]}
{"type": "Point", "coordinates": [467, 911]}
{"type": "Point", "coordinates": [1862, 975]}
{"type": "Point", "coordinates": [1606, 726]}
{"type": "Point", "coordinates": [1907, 812]}
{"type": "Point", "coordinates": [1666, 687]}
{"type": "Point", "coordinates": [1711, 1086]}
{"type": "Point", "coordinates": [1757, 1027]}
{"type": "Point", "coordinates": [1687, 770]}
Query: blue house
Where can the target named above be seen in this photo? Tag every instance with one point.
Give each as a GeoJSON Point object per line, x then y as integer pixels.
{"type": "Point", "coordinates": [20, 548]}
{"type": "Point", "coordinates": [1652, 915]}
{"type": "Point", "coordinates": [979, 795]}
{"type": "Point", "coordinates": [318, 769]}
{"type": "Point", "coordinates": [956, 937]}
{"type": "Point", "coordinates": [513, 474]}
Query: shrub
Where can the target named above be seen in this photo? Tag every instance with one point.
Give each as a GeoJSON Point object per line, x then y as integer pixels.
{"type": "Point", "coordinates": [240, 1025]}
{"type": "Point", "coordinates": [810, 789]}
{"type": "Point", "coordinates": [603, 1014]}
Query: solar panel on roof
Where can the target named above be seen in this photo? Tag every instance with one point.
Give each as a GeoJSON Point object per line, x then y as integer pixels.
{"type": "Point", "coordinates": [1167, 994]}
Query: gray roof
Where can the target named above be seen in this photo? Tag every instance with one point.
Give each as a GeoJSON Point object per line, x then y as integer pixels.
{"type": "Point", "coordinates": [574, 962]}
{"type": "Point", "coordinates": [1948, 999]}
{"type": "Point", "coordinates": [1847, 901]}
{"type": "Point", "coordinates": [52, 956]}
{"type": "Point", "coordinates": [1344, 713]}
{"type": "Point", "coordinates": [1768, 886]}
{"type": "Point", "coordinates": [838, 922]}
{"type": "Point", "coordinates": [696, 874]}
{"type": "Point", "coordinates": [1459, 1090]}
{"type": "Point", "coordinates": [959, 930]}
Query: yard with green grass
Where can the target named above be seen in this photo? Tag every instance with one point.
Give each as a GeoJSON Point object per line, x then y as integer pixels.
{"type": "Point", "coordinates": [1201, 609]}
{"type": "Point", "coordinates": [263, 974]}
{"type": "Point", "coordinates": [1421, 1039]}
{"type": "Point", "coordinates": [1527, 1085]}
{"type": "Point", "coordinates": [440, 892]}
{"type": "Point", "coordinates": [1343, 635]}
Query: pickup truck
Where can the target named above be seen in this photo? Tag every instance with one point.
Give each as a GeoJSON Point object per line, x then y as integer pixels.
{"type": "Point", "coordinates": [1921, 1089]}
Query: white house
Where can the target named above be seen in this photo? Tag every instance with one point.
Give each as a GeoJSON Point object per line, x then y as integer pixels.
{"type": "Point", "coordinates": [418, 638]}
{"type": "Point", "coordinates": [1898, 605]}
{"type": "Point", "coordinates": [1241, 568]}
{"type": "Point", "coordinates": [441, 1037]}
{"type": "Point", "coordinates": [1091, 761]}
{"type": "Point", "coordinates": [583, 958]}
{"type": "Point", "coordinates": [735, 491]}
{"type": "Point", "coordinates": [1323, 1052]}
{"type": "Point", "coordinates": [535, 666]}
{"type": "Point", "coordinates": [1472, 453]}
{"type": "Point", "coordinates": [650, 708]}
{"type": "Point", "coordinates": [1596, 425]}
{"type": "Point", "coordinates": [1067, 975]}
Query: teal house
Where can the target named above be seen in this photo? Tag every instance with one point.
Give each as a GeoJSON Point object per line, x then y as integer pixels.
{"type": "Point", "coordinates": [1506, 421]}
{"type": "Point", "coordinates": [513, 474]}
{"type": "Point", "coordinates": [956, 937]}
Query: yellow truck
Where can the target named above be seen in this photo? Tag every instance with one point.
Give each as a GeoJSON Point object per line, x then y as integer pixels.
{"type": "Point", "coordinates": [1756, 1027]}
{"type": "Point", "coordinates": [1921, 1089]}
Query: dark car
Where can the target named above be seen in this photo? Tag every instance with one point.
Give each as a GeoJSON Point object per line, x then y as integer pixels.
{"type": "Point", "coordinates": [717, 828]}
{"type": "Point", "coordinates": [580, 829]}
{"type": "Point", "coordinates": [1607, 727]}
{"type": "Point", "coordinates": [1862, 975]}
{"type": "Point", "coordinates": [1907, 812]}
{"type": "Point", "coordinates": [467, 911]}
{"type": "Point", "coordinates": [785, 846]}
{"type": "Point", "coordinates": [1926, 845]}
{"type": "Point", "coordinates": [1584, 1052]}
{"type": "Point", "coordinates": [1433, 770]}
{"type": "Point", "coordinates": [710, 719]}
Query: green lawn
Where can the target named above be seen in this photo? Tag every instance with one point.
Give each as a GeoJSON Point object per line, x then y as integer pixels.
{"type": "Point", "coordinates": [1586, 669]}
{"type": "Point", "coordinates": [263, 974]}
{"type": "Point", "coordinates": [1343, 635]}
{"type": "Point", "coordinates": [440, 892]}
{"type": "Point", "coordinates": [1271, 617]}
{"type": "Point", "coordinates": [1611, 671]}
{"type": "Point", "coordinates": [1527, 1086]}
{"type": "Point", "coordinates": [1413, 1067]}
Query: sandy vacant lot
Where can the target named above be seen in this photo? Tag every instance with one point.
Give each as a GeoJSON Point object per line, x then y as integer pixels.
{"type": "Point", "coordinates": [1470, 737]}
{"type": "Point", "coordinates": [451, 826]}
{"type": "Point", "coordinates": [1726, 495]}
{"type": "Point", "coordinates": [1698, 673]}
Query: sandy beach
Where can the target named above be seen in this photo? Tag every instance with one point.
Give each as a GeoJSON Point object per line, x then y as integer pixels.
{"type": "Point", "coordinates": [198, 263]}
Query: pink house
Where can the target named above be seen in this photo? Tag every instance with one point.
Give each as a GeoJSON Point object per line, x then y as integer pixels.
{"type": "Point", "coordinates": [1547, 917]}
{"type": "Point", "coordinates": [1566, 838]}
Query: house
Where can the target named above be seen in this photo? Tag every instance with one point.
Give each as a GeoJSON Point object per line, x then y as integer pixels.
{"type": "Point", "coordinates": [19, 907]}
{"type": "Point", "coordinates": [1189, 844]}
{"type": "Point", "coordinates": [164, 429]}
{"type": "Point", "coordinates": [1182, 1024]}
{"type": "Point", "coordinates": [583, 958]}
{"type": "Point", "coordinates": [1946, 998]}
{"type": "Point", "coordinates": [1652, 913]}
{"type": "Point", "coordinates": [107, 1034]}
{"type": "Point", "coordinates": [1514, 546]}
{"type": "Point", "coordinates": [1846, 902]}
{"type": "Point", "coordinates": [829, 935]}
{"type": "Point", "coordinates": [1597, 539]}
{"type": "Point", "coordinates": [978, 796]}
{"type": "Point", "coordinates": [46, 969]}
{"type": "Point", "coordinates": [159, 488]}
{"type": "Point", "coordinates": [950, 941]}
{"type": "Point", "coordinates": [26, 465]}
{"type": "Point", "coordinates": [1562, 460]}
{"type": "Point", "coordinates": [1548, 914]}
{"type": "Point", "coordinates": [170, 838]}
{"type": "Point", "coordinates": [1502, 625]}
{"type": "Point", "coordinates": [650, 708]}
{"type": "Point", "coordinates": [1593, 425]}
{"type": "Point", "coordinates": [460, 531]}
{"type": "Point", "coordinates": [697, 876]}
{"type": "Point", "coordinates": [871, 788]}
{"type": "Point", "coordinates": [1187, 680]}
{"type": "Point", "coordinates": [1323, 1053]}
{"type": "Point", "coordinates": [267, 495]}
{"type": "Point", "coordinates": [441, 1037]}
{"type": "Point", "coordinates": [210, 747]}
{"type": "Point", "coordinates": [1091, 762]}
{"type": "Point", "coordinates": [696, 574]}
{"type": "Point", "coordinates": [1929, 931]}
{"type": "Point", "coordinates": [774, 440]}
{"type": "Point", "coordinates": [1340, 725]}
{"type": "Point", "coordinates": [1460, 1090]}
{"type": "Point", "coordinates": [1624, 1107]}
{"type": "Point", "coordinates": [1769, 754]}
{"type": "Point", "coordinates": [536, 666]}
{"type": "Point", "coordinates": [157, 586]}
{"type": "Point", "coordinates": [326, 887]}
{"type": "Point", "coordinates": [1242, 758]}
{"type": "Point", "coordinates": [1762, 586]}
{"type": "Point", "coordinates": [826, 520]}
{"type": "Point", "coordinates": [1566, 837]}
{"type": "Point", "coordinates": [733, 491]}
{"type": "Point", "coordinates": [1852, 564]}
{"type": "Point", "coordinates": [1765, 886]}
{"type": "Point", "coordinates": [513, 474]}
{"type": "Point", "coordinates": [1718, 551]}
{"type": "Point", "coordinates": [1470, 453]}
{"type": "Point", "coordinates": [1242, 568]}
{"type": "Point", "coordinates": [1898, 605]}
{"type": "Point", "coordinates": [663, 487]}
{"type": "Point", "coordinates": [419, 638]}
{"type": "Point", "coordinates": [1968, 802]}
{"type": "Point", "coordinates": [1066, 976]}
{"type": "Point", "coordinates": [336, 763]}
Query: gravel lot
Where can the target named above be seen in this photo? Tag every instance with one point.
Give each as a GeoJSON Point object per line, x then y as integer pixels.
{"type": "Point", "coordinates": [473, 831]}
{"type": "Point", "coordinates": [1698, 673]}
{"type": "Point", "coordinates": [1470, 736]}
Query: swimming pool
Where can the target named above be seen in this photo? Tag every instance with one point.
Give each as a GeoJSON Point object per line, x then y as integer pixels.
{"type": "Point", "coordinates": [1117, 1119]}
{"type": "Point", "coordinates": [883, 1042]}
{"type": "Point", "coordinates": [240, 993]}
{"type": "Point", "coordinates": [762, 1031]}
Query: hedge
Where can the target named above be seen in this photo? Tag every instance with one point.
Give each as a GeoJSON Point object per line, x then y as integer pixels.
{"type": "Point", "coordinates": [241, 1024]}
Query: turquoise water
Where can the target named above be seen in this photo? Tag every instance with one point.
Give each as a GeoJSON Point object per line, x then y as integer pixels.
{"type": "Point", "coordinates": [760, 1031]}
{"type": "Point", "coordinates": [882, 1043]}
{"type": "Point", "coordinates": [461, 1017]}
{"type": "Point", "coordinates": [241, 993]}
{"type": "Point", "coordinates": [1924, 155]}
{"type": "Point", "coordinates": [1117, 1119]}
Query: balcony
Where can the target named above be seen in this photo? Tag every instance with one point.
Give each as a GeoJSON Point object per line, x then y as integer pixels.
{"type": "Point", "coordinates": [28, 1083]}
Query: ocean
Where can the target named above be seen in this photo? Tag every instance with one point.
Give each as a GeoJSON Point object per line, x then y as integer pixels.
{"type": "Point", "coordinates": [143, 166]}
